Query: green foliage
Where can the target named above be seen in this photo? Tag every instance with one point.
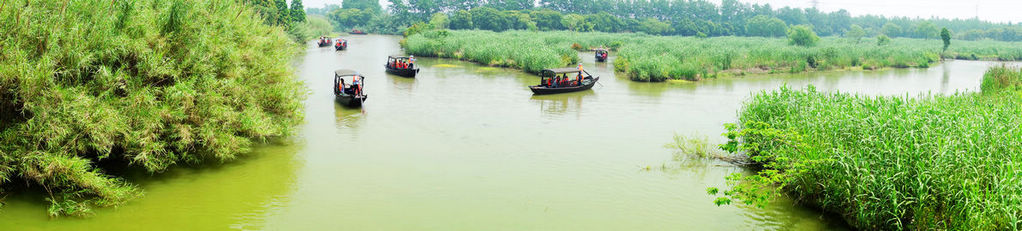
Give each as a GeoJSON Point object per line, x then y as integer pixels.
{"type": "Point", "coordinates": [529, 51]}
{"type": "Point", "coordinates": [575, 22]}
{"type": "Point", "coordinates": [999, 79]}
{"type": "Point", "coordinates": [297, 11]}
{"type": "Point", "coordinates": [439, 21]}
{"type": "Point", "coordinates": [766, 26]}
{"type": "Point", "coordinates": [855, 33]}
{"type": "Point", "coordinates": [802, 35]}
{"type": "Point", "coordinates": [486, 18]}
{"type": "Point", "coordinates": [883, 40]}
{"type": "Point", "coordinates": [928, 163]}
{"type": "Point", "coordinates": [891, 30]}
{"type": "Point", "coordinates": [363, 5]}
{"type": "Point", "coordinates": [945, 36]}
{"type": "Point", "coordinates": [461, 20]}
{"type": "Point", "coordinates": [149, 83]}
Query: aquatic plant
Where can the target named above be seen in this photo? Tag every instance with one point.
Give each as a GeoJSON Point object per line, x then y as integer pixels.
{"type": "Point", "coordinates": [146, 84]}
{"type": "Point", "coordinates": [931, 162]}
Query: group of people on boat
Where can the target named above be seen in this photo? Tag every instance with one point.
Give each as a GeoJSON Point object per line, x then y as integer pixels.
{"type": "Point", "coordinates": [402, 63]}
{"type": "Point", "coordinates": [355, 88]}
{"type": "Point", "coordinates": [564, 80]}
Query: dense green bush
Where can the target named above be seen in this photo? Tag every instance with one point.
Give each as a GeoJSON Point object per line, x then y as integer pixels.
{"type": "Point", "coordinates": [529, 51]}
{"type": "Point", "coordinates": [149, 84]}
{"type": "Point", "coordinates": [927, 163]}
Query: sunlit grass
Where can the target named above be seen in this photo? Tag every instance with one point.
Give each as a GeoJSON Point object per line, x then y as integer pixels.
{"type": "Point", "coordinates": [149, 83]}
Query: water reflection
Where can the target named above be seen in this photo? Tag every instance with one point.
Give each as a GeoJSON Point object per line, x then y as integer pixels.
{"type": "Point", "coordinates": [346, 117]}
{"type": "Point", "coordinates": [560, 104]}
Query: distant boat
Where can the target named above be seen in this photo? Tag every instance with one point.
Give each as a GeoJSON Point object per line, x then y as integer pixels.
{"type": "Point", "coordinates": [601, 55]}
{"type": "Point", "coordinates": [341, 44]}
{"type": "Point", "coordinates": [563, 80]}
{"type": "Point", "coordinates": [323, 42]}
{"type": "Point", "coordinates": [401, 66]}
{"type": "Point", "coordinates": [349, 92]}
{"type": "Point", "coordinates": [354, 31]}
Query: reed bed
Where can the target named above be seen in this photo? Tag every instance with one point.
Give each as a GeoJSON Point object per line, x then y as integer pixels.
{"type": "Point", "coordinates": [147, 84]}
{"type": "Point", "coordinates": [659, 58]}
{"type": "Point", "coordinates": [931, 162]}
{"type": "Point", "coordinates": [529, 51]}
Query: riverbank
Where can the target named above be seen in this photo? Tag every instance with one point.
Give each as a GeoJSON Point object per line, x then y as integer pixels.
{"type": "Point", "coordinates": [898, 162]}
{"type": "Point", "coordinates": [659, 58]}
{"type": "Point", "coordinates": [130, 84]}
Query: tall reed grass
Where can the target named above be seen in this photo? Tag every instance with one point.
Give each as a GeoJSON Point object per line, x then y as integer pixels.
{"type": "Point", "coordinates": [529, 51]}
{"type": "Point", "coordinates": [659, 58]}
{"type": "Point", "coordinates": [931, 162]}
{"type": "Point", "coordinates": [148, 83]}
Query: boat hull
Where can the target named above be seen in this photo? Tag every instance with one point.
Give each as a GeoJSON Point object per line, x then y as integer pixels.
{"type": "Point", "coordinates": [410, 73]}
{"type": "Point", "coordinates": [341, 48]}
{"type": "Point", "coordinates": [543, 90]}
{"type": "Point", "coordinates": [600, 58]}
{"type": "Point", "coordinates": [350, 100]}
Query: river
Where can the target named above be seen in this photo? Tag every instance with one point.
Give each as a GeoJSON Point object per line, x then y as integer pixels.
{"type": "Point", "coordinates": [468, 147]}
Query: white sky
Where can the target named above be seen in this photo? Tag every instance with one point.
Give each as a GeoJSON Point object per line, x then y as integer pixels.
{"type": "Point", "coordinates": [990, 10]}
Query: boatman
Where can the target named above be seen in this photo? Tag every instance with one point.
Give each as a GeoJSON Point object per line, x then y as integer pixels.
{"type": "Point", "coordinates": [579, 77]}
{"type": "Point", "coordinates": [411, 61]}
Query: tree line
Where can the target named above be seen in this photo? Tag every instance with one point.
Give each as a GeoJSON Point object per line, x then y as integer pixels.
{"type": "Point", "coordinates": [659, 17]}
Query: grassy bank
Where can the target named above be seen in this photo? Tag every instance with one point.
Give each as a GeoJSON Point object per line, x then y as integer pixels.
{"type": "Point", "coordinates": [146, 84]}
{"type": "Point", "coordinates": [662, 58]}
{"type": "Point", "coordinates": [923, 163]}
{"type": "Point", "coordinates": [659, 58]}
{"type": "Point", "coordinates": [529, 51]}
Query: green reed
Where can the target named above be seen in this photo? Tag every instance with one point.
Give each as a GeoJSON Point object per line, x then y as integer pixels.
{"type": "Point", "coordinates": [152, 84]}
{"type": "Point", "coordinates": [927, 162]}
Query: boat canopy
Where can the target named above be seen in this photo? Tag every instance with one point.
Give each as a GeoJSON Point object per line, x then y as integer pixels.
{"type": "Point", "coordinates": [561, 70]}
{"type": "Point", "coordinates": [345, 72]}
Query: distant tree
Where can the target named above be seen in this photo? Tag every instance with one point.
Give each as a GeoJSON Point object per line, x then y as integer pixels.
{"type": "Point", "coordinates": [283, 14]}
{"type": "Point", "coordinates": [461, 20]}
{"type": "Point", "coordinates": [439, 21]}
{"type": "Point", "coordinates": [927, 30]}
{"type": "Point", "coordinates": [365, 5]}
{"type": "Point", "coordinates": [547, 19]}
{"type": "Point", "coordinates": [802, 35]}
{"type": "Point", "coordinates": [297, 11]}
{"type": "Point", "coordinates": [487, 18]}
{"type": "Point", "coordinates": [946, 36]}
{"type": "Point", "coordinates": [766, 26]}
{"type": "Point", "coordinates": [655, 27]}
{"type": "Point", "coordinates": [883, 40]}
{"type": "Point", "coordinates": [891, 30]}
{"type": "Point", "coordinates": [574, 22]}
{"type": "Point", "coordinates": [855, 33]}
{"type": "Point", "coordinates": [347, 18]}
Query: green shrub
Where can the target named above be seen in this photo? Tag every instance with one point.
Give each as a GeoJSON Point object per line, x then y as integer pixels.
{"type": "Point", "coordinates": [99, 81]}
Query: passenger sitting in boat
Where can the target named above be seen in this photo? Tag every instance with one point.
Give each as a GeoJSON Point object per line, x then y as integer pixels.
{"type": "Point", "coordinates": [341, 86]}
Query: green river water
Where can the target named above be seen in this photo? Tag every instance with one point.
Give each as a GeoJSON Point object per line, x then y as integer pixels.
{"type": "Point", "coordinates": [468, 147]}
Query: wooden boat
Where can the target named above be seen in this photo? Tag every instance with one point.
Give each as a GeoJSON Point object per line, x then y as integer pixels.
{"type": "Point", "coordinates": [549, 83]}
{"type": "Point", "coordinates": [354, 31]}
{"type": "Point", "coordinates": [341, 44]}
{"type": "Point", "coordinates": [323, 42]}
{"type": "Point", "coordinates": [401, 66]}
{"type": "Point", "coordinates": [601, 55]}
{"type": "Point", "coordinates": [349, 92]}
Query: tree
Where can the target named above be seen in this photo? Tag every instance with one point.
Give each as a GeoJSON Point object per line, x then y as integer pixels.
{"type": "Point", "coordinates": [365, 5]}
{"type": "Point", "coordinates": [655, 27]}
{"type": "Point", "coordinates": [297, 11]}
{"type": "Point", "coordinates": [439, 21]}
{"type": "Point", "coordinates": [890, 29]}
{"type": "Point", "coordinates": [883, 40]}
{"type": "Point", "coordinates": [802, 35]}
{"type": "Point", "coordinates": [765, 26]}
{"type": "Point", "coordinates": [486, 18]}
{"type": "Point", "coordinates": [461, 20]}
{"type": "Point", "coordinates": [927, 30]}
{"type": "Point", "coordinates": [855, 33]}
{"type": "Point", "coordinates": [547, 19]}
{"type": "Point", "coordinates": [946, 36]}
{"type": "Point", "coordinates": [574, 22]}
{"type": "Point", "coordinates": [283, 14]}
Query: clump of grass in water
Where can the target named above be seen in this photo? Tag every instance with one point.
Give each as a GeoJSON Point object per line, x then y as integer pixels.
{"type": "Point", "coordinates": [146, 82]}
{"type": "Point", "coordinates": [930, 162]}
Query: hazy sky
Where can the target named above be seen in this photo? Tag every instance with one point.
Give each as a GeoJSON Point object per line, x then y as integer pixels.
{"type": "Point", "coordinates": [991, 10]}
